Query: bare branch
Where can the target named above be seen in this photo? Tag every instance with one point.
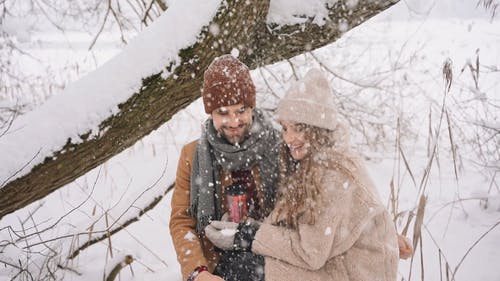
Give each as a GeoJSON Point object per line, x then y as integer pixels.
{"type": "Point", "coordinates": [122, 226]}
{"type": "Point", "coordinates": [102, 26]}
{"type": "Point", "coordinates": [474, 245]}
{"type": "Point", "coordinates": [114, 272]}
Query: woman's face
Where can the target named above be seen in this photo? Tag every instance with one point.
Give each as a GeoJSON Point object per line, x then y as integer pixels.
{"type": "Point", "coordinates": [294, 135]}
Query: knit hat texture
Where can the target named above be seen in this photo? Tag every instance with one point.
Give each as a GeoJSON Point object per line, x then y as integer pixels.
{"type": "Point", "coordinates": [227, 82]}
{"type": "Point", "coordinates": [309, 101]}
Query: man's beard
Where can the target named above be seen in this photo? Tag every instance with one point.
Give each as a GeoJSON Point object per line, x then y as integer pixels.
{"type": "Point", "coordinates": [236, 139]}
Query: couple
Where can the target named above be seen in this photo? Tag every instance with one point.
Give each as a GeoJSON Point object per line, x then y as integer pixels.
{"type": "Point", "coordinates": [311, 211]}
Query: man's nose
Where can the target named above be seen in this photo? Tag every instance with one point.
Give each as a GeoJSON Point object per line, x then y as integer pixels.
{"type": "Point", "coordinates": [234, 121]}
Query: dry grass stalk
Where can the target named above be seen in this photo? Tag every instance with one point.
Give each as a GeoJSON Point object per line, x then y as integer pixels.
{"type": "Point", "coordinates": [91, 228]}
{"type": "Point", "coordinates": [430, 136]}
{"type": "Point", "coordinates": [294, 72]}
{"type": "Point", "coordinates": [417, 228]}
{"type": "Point", "coordinates": [440, 265]}
{"type": "Point", "coordinates": [448, 74]}
{"type": "Point", "coordinates": [422, 272]}
{"type": "Point", "coordinates": [474, 70]}
{"type": "Point", "coordinates": [448, 79]}
{"type": "Point", "coordinates": [484, 202]}
{"type": "Point", "coordinates": [448, 272]}
{"type": "Point", "coordinates": [408, 222]}
{"type": "Point", "coordinates": [453, 146]}
{"type": "Point", "coordinates": [393, 200]}
{"type": "Point", "coordinates": [490, 5]}
{"type": "Point", "coordinates": [407, 166]}
{"type": "Point", "coordinates": [394, 196]}
{"type": "Point", "coordinates": [442, 257]}
{"type": "Point", "coordinates": [108, 234]}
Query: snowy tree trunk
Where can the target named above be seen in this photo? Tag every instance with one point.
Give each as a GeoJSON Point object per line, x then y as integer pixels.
{"type": "Point", "coordinates": [159, 99]}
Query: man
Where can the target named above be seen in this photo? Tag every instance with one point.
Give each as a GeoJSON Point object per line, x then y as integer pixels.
{"type": "Point", "coordinates": [237, 146]}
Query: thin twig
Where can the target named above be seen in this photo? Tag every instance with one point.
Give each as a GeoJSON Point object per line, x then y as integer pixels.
{"type": "Point", "coordinates": [267, 84]}
{"type": "Point", "coordinates": [71, 211]}
{"type": "Point", "coordinates": [472, 246]}
{"type": "Point", "coordinates": [22, 168]}
{"type": "Point", "coordinates": [146, 13]}
{"type": "Point", "coordinates": [121, 227]}
{"type": "Point", "coordinates": [102, 26]}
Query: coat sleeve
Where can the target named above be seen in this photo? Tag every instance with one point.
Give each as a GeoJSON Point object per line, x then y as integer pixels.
{"type": "Point", "coordinates": [187, 244]}
{"type": "Point", "coordinates": [338, 225]}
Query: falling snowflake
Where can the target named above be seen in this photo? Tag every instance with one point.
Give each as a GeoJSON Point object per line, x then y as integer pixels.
{"type": "Point", "coordinates": [346, 185]}
{"type": "Point", "coordinates": [189, 236]}
{"type": "Point", "coordinates": [328, 231]}
{"type": "Point", "coordinates": [235, 52]}
{"type": "Point", "coordinates": [214, 29]}
{"type": "Point", "coordinates": [197, 180]}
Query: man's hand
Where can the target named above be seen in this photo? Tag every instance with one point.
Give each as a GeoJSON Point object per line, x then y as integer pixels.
{"type": "Point", "coordinates": [207, 276]}
{"type": "Point", "coordinates": [221, 234]}
{"type": "Point", "coordinates": [405, 247]}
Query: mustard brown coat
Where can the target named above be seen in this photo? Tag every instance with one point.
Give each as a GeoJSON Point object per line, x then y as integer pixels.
{"type": "Point", "coordinates": [194, 249]}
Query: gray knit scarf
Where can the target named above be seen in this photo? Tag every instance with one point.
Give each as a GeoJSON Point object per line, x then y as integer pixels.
{"type": "Point", "coordinates": [214, 153]}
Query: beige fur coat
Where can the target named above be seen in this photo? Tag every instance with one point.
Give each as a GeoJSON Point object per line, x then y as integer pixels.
{"type": "Point", "coordinates": [353, 238]}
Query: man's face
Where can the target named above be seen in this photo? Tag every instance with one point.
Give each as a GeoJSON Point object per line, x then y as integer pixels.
{"type": "Point", "coordinates": [233, 122]}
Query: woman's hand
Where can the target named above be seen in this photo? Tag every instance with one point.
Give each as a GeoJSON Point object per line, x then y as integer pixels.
{"type": "Point", "coordinates": [405, 247]}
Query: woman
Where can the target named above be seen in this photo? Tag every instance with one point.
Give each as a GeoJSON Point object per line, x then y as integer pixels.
{"type": "Point", "coordinates": [328, 222]}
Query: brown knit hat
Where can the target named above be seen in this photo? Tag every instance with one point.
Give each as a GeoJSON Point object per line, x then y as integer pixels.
{"type": "Point", "coordinates": [226, 82]}
{"type": "Point", "coordinates": [309, 101]}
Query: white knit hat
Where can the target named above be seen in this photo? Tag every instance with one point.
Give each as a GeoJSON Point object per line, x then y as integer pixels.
{"type": "Point", "coordinates": [309, 101]}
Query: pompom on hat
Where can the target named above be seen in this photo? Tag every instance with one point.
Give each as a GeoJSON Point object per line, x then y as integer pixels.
{"type": "Point", "coordinates": [309, 101]}
{"type": "Point", "coordinates": [227, 82]}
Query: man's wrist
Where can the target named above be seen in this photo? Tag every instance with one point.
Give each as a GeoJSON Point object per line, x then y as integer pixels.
{"type": "Point", "coordinates": [196, 272]}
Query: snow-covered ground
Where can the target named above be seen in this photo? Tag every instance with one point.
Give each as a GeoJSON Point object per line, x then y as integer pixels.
{"type": "Point", "coordinates": [391, 65]}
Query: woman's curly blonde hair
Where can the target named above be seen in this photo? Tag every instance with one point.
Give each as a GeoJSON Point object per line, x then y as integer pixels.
{"type": "Point", "coordinates": [300, 187]}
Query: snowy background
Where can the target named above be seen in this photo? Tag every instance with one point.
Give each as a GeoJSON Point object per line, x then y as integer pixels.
{"type": "Point", "coordinates": [387, 69]}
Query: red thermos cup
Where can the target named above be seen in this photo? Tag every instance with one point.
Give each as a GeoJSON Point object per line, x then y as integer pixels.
{"type": "Point", "coordinates": [237, 202]}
